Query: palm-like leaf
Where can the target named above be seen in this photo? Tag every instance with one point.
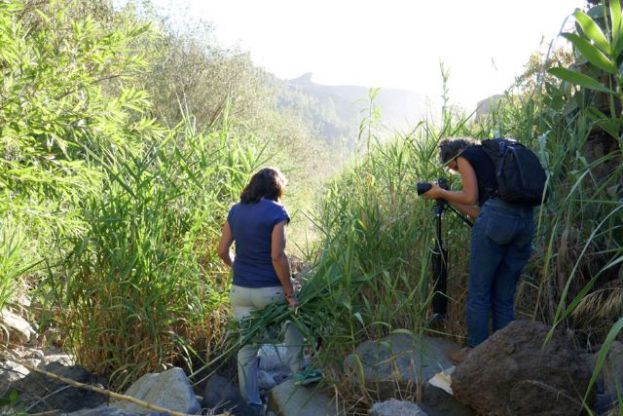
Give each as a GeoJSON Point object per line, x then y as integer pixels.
{"type": "Point", "coordinates": [580, 79]}
{"type": "Point", "coordinates": [594, 32]}
{"type": "Point", "coordinates": [617, 30]}
{"type": "Point", "coordinates": [591, 53]}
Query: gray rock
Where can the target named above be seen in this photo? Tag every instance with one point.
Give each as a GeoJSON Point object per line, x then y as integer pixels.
{"type": "Point", "coordinates": [40, 393]}
{"type": "Point", "coordinates": [515, 373]}
{"type": "Point", "coordinates": [221, 395]}
{"type": "Point", "coordinates": [273, 368]}
{"type": "Point", "coordinates": [103, 410]}
{"type": "Point", "coordinates": [266, 380]}
{"type": "Point", "coordinates": [400, 357]}
{"type": "Point", "coordinates": [288, 399]}
{"type": "Point", "coordinates": [11, 371]}
{"type": "Point", "coordinates": [395, 407]}
{"type": "Point", "coordinates": [53, 354]}
{"type": "Point", "coordinates": [169, 389]}
{"type": "Point", "coordinates": [613, 370]}
{"type": "Point", "coordinates": [272, 357]}
{"type": "Point", "coordinates": [610, 382]}
{"type": "Point", "coordinates": [402, 360]}
{"type": "Point", "coordinates": [17, 326]}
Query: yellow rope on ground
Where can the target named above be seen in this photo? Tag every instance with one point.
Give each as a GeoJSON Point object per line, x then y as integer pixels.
{"type": "Point", "coordinates": [107, 392]}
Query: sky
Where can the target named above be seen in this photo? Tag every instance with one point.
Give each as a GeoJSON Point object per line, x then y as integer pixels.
{"type": "Point", "coordinates": [387, 44]}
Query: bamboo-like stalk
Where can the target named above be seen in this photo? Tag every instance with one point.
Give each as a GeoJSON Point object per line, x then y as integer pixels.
{"type": "Point", "coordinates": [107, 393]}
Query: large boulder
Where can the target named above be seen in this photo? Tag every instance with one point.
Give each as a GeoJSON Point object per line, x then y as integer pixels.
{"type": "Point", "coordinates": [401, 361]}
{"type": "Point", "coordinates": [169, 389]}
{"type": "Point", "coordinates": [401, 357]}
{"type": "Point", "coordinates": [41, 393]}
{"type": "Point", "coordinates": [515, 372]}
{"type": "Point", "coordinates": [288, 399]}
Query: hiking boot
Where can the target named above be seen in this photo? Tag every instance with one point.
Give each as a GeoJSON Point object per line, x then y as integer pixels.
{"type": "Point", "coordinates": [458, 355]}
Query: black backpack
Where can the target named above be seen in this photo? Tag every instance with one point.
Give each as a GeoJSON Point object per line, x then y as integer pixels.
{"type": "Point", "coordinates": [519, 175]}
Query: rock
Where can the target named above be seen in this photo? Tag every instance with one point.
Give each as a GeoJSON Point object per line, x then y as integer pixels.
{"type": "Point", "coordinates": [272, 357]}
{"type": "Point", "coordinates": [400, 357]}
{"type": "Point", "coordinates": [610, 382]}
{"type": "Point", "coordinates": [613, 370]}
{"type": "Point", "coordinates": [10, 371]}
{"type": "Point", "coordinates": [41, 393]}
{"type": "Point", "coordinates": [55, 354]}
{"type": "Point", "coordinates": [395, 407]}
{"type": "Point", "coordinates": [169, 389]}
{"type": "Point", "coordinates": [436, 402]}
{"type": "Point", "coordinates": [103, 410]}
{"type": "Point", "coordinates": [403, 360]}
{"type": "Point", "coordinates": [265, 380]}
{"type": "Point", "coordinates": [221, 395]}
{"type": "Point", "coordinates": [18, 327]}
{"type": "Point", "coordinates": [273, 369]}
{"type": "Point", "coordinates": [288, 399]}
{"type": "Point", "coordinates": [64, 359]}
{"type": "Point", "coordinates": [514, 373]}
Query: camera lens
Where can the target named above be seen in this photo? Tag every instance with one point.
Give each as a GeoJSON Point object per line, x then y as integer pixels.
{"type": "Point", "coordinates": [423, 187]}
{"type": "Point", "coordinates": [443, 183]}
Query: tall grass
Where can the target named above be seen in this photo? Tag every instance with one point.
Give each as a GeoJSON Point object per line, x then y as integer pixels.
{"type": "Point", "coordinates": [142, 289]}
{"type": "Point", "coordinates": [575, 278]}
{"type": "Point", "coordinates": [371, 274]}
{"type": "Point", "coordinates": [14, 261]}
{"type": "Point", "coordinates": [372, 271]}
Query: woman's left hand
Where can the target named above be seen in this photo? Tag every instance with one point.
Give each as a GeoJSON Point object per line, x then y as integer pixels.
{"type": "Point", "coordinates": [434, 192]}
{"type": "Point", "coordinates": [293, 302]}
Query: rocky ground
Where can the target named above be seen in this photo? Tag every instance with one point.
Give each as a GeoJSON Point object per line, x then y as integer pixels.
{"type": "Point", "coordinates": [512, 373]}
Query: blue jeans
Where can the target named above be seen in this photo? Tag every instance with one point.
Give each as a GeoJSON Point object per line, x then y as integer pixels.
{"type": "Point", "coordinates": [500, 247]}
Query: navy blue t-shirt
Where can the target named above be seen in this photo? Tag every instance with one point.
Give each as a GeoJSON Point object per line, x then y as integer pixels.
{"type": "Point", "coordinates": [485, 172]}
{"type": "Point", "coordinates": [252, 226]}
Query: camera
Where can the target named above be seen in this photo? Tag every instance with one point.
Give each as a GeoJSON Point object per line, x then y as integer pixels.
{"type": "Point", "coordinates": [423, 187]}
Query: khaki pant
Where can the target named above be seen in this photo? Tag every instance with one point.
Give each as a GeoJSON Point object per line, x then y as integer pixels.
{"type": "Point", "coordinates": [245, 300]}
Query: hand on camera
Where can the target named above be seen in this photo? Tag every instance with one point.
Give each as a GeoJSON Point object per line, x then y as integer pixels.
{"type": "Point", "coordinates": [434, 192]}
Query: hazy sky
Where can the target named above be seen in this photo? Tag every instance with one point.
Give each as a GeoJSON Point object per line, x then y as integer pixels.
{"type": "Point", "coordinates": [391, 43]}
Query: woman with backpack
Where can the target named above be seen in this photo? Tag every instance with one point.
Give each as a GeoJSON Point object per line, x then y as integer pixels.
{"type": "Point", "coordinates": [500, 241]}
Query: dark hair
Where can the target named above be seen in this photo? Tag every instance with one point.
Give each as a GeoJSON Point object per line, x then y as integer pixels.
{"type": "Point", "coordinates": [452, 148]}
{"type": "Point", "coordinates": [267, 183]}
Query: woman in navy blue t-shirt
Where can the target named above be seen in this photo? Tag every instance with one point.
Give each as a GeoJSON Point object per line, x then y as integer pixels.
{"type": "Point", "coordinates": [257, 224]}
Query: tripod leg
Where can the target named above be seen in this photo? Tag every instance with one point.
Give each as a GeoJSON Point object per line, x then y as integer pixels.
{"type": "Point", "coordinates": [440, 277]}
{"type": "Point", "coordinates": [440, 267]}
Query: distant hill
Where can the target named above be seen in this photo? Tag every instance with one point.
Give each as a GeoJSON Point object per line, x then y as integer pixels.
{"type": "Point", "coordinates": [334, 112]}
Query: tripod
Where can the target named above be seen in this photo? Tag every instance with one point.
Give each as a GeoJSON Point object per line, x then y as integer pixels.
{"type": "Point", "coordinates": [439, 258]}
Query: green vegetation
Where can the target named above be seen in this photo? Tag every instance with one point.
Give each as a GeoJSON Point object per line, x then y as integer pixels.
{"type": "Point", "coordinates": [115, 182]}
{"type": "Point", "coordinates": [123, 143]}
{"type": "Point", "coordinates": [371, 273]}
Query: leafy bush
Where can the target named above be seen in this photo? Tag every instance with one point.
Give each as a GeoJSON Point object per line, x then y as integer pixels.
{"type": "Point", "coordinates": [143, 287]}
